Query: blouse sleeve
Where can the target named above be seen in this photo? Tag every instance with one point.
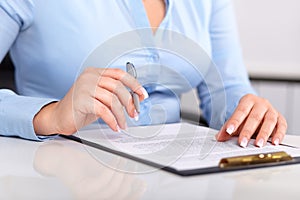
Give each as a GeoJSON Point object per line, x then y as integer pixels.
{"type": "Point", "coordinates": [17, 112]}
{"type": "Point", "coordinates": [227, 80]}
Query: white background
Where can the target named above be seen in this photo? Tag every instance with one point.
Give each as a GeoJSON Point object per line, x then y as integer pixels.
{"type": "Point", "coordinates": [270, 36]}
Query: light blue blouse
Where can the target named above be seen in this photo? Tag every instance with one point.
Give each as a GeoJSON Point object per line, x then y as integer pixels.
{"type": "Point", "coordinates": [52, 41]}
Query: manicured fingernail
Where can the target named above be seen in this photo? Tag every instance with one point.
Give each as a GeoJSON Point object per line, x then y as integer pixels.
{"type": "Point", "coordinates": [260, 143]}
{"type": "Point", "coordinates": [136, 116]}
{"type": "Point", "coordinates": [118, 129]}
{"type": "Point", "coordinates": [276, 142]}
{"type": "Point", "coordinates": [217, 136]}
{"type": "Point", "coordinates": [244, 142]}
{"type": "Point", "coordinates": [230, 129]}
{"type": "Point", "coordinates": [125, 127]}
{"type": "Point", "coordinates": [145, 93]}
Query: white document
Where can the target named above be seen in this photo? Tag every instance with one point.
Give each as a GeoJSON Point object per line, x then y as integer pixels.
{"type": "Point", "coordinates": [292, 140]}
{"type": "Point", "coordinates": [180, 146]}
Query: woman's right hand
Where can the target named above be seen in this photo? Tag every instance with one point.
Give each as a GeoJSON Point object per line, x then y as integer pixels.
{"type": "Point", "coordinates": [97, 93]}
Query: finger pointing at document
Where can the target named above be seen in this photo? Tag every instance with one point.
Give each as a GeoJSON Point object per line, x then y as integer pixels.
{"type": "Point", "coordinates": [254, 115]}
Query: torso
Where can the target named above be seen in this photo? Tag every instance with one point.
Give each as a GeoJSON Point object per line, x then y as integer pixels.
{"type": "Point", "coordinates": [92, 24]}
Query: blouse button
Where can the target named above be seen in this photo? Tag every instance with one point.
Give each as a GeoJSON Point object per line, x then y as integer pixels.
{"type": "Point", "coordinates": [154, 58]}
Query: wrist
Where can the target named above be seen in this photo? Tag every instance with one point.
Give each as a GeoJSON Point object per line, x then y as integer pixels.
{"type": "Point", "coordinates": [44, 122]}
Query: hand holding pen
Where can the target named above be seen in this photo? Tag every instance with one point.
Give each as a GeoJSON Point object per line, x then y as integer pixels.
{"type": "Point", "coordinates": [97, 93]}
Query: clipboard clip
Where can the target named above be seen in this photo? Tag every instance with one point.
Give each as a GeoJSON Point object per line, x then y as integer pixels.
{"type": "Point", "coordinates": [254, 159]}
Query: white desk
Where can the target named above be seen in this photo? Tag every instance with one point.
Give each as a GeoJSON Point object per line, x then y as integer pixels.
{"type": "Point", "coordinates": [63, 169]}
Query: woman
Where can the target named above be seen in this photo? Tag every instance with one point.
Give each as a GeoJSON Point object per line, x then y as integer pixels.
{"type": "Point", "coordinates": [49, 40]}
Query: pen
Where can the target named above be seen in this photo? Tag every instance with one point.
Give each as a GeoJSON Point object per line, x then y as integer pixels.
{"type": "Point", "coordinates": [131, 70]}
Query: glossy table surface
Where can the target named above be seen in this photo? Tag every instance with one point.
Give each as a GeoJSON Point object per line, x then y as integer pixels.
{"type": "Point", "coordinates": [63, 169]}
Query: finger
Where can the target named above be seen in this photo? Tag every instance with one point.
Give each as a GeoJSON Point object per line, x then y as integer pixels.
{"type": "Point", "coordinates": [128, 80]}
{"type": "Point", "coordinates": [268, 125]}
{"type": "Point", "coordinates": [112, 102]}
{"type": "Point", "coordinates": [239, 115]}
{"type": "Point", "coordinates": [223, 136]}
{"type": "Point", "coordinates": [103, 112]}
{"type": "Point", "coordinates": [124, 96]}
{"type": "Point", "coordinates": [251, 124]}
{"type": "Point", "coordinates": [280, 131]}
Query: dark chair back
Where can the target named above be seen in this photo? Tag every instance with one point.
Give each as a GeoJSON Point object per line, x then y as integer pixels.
{"type": "Point", "coordinates": [7, 78]}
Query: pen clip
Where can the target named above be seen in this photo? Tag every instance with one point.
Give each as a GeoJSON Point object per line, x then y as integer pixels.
{"type": "Point", "coordinates": [131, 69]}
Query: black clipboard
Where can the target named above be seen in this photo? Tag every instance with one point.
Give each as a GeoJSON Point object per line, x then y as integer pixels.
{"type": "Point", "coordinates": [200, 171]}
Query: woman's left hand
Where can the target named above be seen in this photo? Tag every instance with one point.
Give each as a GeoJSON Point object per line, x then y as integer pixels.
{"type": "Point", "coordinates": [254, 115]}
